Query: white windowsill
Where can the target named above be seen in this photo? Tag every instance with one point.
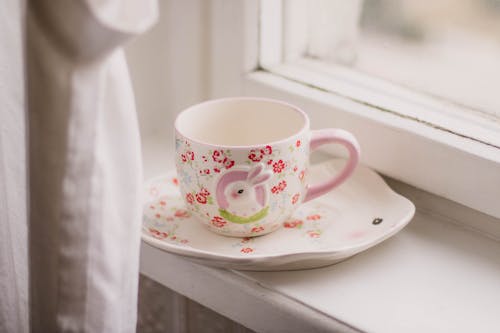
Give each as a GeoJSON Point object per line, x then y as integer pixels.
{"type": "Point", "coordinates": [435, 275]}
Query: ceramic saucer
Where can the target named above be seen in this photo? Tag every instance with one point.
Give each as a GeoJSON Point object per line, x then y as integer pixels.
{"type": "Point", "coordinates": [359, 214]}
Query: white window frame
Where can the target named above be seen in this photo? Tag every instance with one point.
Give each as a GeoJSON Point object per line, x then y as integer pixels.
{"type": "Point", "coordinates": [412, 150]}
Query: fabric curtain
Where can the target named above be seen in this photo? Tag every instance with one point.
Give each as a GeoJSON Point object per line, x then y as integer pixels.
{"type": "Point", "coordinates": [13, 203]}
{"type": "Point", "coordinates": [84, 170]}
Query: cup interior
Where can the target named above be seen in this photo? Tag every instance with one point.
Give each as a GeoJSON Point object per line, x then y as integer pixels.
{"type": "Point", "coordinates": [241, 122]}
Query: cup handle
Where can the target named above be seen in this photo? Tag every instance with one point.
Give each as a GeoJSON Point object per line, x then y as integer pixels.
{"type": "Point", "coordinates": [333, 135]}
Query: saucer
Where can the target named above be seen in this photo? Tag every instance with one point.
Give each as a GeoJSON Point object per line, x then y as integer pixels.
{"type": "Point", "coordinates": [357, 215]}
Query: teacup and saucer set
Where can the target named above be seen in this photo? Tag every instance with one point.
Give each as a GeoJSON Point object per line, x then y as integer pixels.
{"type": "Point", "coordinates": [245, 197]}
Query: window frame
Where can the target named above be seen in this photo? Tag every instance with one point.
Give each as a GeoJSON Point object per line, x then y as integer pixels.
{"type": "Point", "coordinates": [288, 36]}
{"type": "Point", "coordinates": [439, 161]}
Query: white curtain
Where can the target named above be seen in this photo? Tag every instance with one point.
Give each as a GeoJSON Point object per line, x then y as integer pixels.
{"type": "Point", "coordinates": [82, 230]}
{"type": "Point", "coordinates": [13, 204]}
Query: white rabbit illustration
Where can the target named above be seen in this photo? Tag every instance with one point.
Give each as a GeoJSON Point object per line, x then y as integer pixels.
{"type": "Point", "coordinates": [242, 195]}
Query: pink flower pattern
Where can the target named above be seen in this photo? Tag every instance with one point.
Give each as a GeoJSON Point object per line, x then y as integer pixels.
{"type": "Point", "coordinates": [314, 217]}
{"type": "Point", "coordinates": [278, 166]}
{"type": "Point", "coordinates": [314, 234]}
{"type": "Point", "coordinates": [201, 198]}
{"type": "Point", "coordinates": [293, 224]}
{"type": "Point", "coordinates": [182, 213]}
{"type": "Point", "coordinates": [228, 164]}
{"type": "Point", "coordinates": [218, 222]}
{"type": "Point", "coordinates": [279, 188]}
{"type": "Point", "coordinates": [221, 158]}
{"type": "Point", "coordinates": [218, 156]}
{"type": "Point", "coordinates": [158, 234]}
{"type": "Point", "coordinates": [257, 229]}
{"type": "Point", "coordinates": [256, 155]}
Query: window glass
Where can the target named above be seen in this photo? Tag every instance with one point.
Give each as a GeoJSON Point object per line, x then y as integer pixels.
{"type": "Point", "coordinates": [446, 48]}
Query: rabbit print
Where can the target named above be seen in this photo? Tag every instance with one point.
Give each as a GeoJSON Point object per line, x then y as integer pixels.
{"type": "Point", "coordinates": [242, 195]}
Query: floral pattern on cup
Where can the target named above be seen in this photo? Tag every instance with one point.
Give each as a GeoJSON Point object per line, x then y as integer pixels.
{"type": "Point", "coordinates": [246, 196]}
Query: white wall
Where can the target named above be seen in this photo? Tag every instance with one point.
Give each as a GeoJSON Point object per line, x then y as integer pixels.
{"type": "Point", "coordinates": [169, 65]}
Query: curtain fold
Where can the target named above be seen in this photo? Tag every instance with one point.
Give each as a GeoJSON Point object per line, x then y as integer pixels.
{"type": "Point", "coordinates": [84, 168]}
{"type": "Point", "coordinates": [13, 203]}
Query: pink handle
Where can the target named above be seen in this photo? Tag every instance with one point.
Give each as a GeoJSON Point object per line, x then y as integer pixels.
{"type": "Point", "coordinates": [332, 135]}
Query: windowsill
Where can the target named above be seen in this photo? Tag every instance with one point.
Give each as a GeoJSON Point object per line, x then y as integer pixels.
{"type": "Point", "coordinates": [420, 107]}
{"type": "Point", "coordinates": [432, 276]}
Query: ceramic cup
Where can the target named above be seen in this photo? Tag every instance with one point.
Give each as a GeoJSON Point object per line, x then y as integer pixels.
{"type": "Point", "coordinates": [242, 163]}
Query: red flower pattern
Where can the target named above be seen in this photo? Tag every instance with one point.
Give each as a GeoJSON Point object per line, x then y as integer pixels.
{"type": "Point", "coordinates": [201, 198]}
{"type": "Point", "coordinates": [278, 166]}
{"type": "Point", "coordinates": [314, 217]}
{"type": "Point", "coordinates": [246, 250]}
{"type": "Point", "coordinates": [204, 192]}
{"type": "Point", "coordinates": [293, 224]}
{"type": "Point", "coordinates": [279, 188]}
{"type": "Point", "coordinates": [175, 181]}
{"type": "Point", "coordinates": [181, 213]}
{"type": "Point", "coordinates": [295, 198]}
{"type": "Point", "coordinates": [256, 156]}
{"type": "Point", "coordinates": [190, 198]}
{"type": "Point", "coordinates": [313, 234]}
{"type": "Point", "coordinates": [257, 229]}
{"type": "Point", "coordinates": [218, 156]}
{"type": "Point", "coordinates": [218, 222]}
{"type": "Point", "coordinates": [228, 164]}
{"type": "Point", "coordinates": [158, 234]}
{"type": "Point", "coordinates": [297, 144]}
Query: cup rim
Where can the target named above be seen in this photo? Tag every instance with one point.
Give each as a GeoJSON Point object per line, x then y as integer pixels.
{"type": "Point", "coordinates": [304, 128]}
